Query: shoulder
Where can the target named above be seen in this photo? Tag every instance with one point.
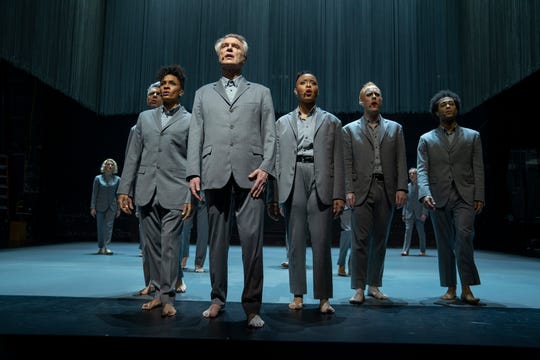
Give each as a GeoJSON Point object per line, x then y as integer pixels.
{"type": "Point", "coordinates": [428, 134]}
{"type": "Point", "coordinates": [207, 87]}
{"type": "Point", "coordinates": [391, 123]}
{"type": "Point", "coordinates": [468, 131]}
{"type": "Point", "coordinates": [329, 116]}
{"type": "Point", "coordinates": [257, 86]}
{"type": "Point", "coordinates": [285, 117]}
{"type": "Point", "coordinates": [352, 124]}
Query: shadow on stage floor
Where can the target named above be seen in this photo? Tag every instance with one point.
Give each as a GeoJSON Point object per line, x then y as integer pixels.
{"type": "Point", "coordinates": [40, 317]}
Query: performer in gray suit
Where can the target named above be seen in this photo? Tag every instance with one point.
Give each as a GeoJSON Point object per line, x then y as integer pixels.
{"type": "Point", "coordinates": [103, 205]}
{"type": "Point", "coordinates": [230, 156]}
{"type": "Point", "coordinates": [375, 184]}
{"type": "Point", "coordinates": [311, 188]}
{"type": "Point", "coordinates": [414, 214]}
{"type": "Point", "coordinates": [451, 183]}
{"type": "Point", "coordinates": [153, 100]}
{"type": "Point", "coordinates": [155, 166]}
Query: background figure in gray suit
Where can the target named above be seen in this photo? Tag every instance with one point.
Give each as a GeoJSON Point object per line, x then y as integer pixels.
{"type": "Point", "coordinates": [414, 214]}
{"type": "Point", "coordinates": [376, 183]}
{"type": "Point", "coordinates": [451, 183]}
{"type": "Point", "coordinates": [153, 100]}
{"type": "Point", "coordinates": [156, 167]}
{"type": "Point", "coordinates": [345, 238]}
{"type": "Point", "coordinates": [230, 155]}
{"type": "Point", "coordinates": [311, 188]}
{"type": "Point", "coordinates": [103, 205]}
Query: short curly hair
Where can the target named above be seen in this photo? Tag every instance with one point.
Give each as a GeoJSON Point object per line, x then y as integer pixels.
{"type": "Point", "coordinates": [175, 70]}
{"type": "Point", "coordinates": [434, 102]}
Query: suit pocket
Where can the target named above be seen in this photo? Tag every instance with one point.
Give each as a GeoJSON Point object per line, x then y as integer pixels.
{"type": "Point", "coordinates": [207, 151]}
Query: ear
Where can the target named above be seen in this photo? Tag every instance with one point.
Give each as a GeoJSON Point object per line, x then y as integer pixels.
{"type": "Point", "coordinates": [295, 92]}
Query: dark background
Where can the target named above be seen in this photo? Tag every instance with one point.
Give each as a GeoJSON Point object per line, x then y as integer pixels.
{"type": "Point", "coordinates": [54, 147]}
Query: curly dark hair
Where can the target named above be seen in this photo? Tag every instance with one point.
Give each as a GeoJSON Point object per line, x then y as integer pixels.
{"type": "Point", "coordinates": [175, 70]}
{"type": "Point", "coordinates": [433, 103]}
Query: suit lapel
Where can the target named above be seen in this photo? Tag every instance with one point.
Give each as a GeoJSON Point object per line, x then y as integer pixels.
{"type": "Point", "coordinates": [363, 124]}
{"type": "Point", "coordinates": [292, 123]}
{"type": "Point", "coordinates": [382, 129]}
{"type": "Point", "coordinates": [156, 117]}
{"type": "Point", "coordinates": [218, 87]}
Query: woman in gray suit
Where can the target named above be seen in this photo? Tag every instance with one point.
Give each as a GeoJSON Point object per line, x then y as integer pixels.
{"type": "Point", "coordinates": [103, 205]}
{"type": "Point", "coordinates": [155, 166]}
{"type": "Point", "coordinates": [230, 156]}
{"type": "Point", "coordinates": [451, 183]}
{"type": "Point", "coordinates": [311, 188]}
{"type": "Point", "coordinates": [376, 183]}
{"type": "Point", "coordinates": [414, 214]}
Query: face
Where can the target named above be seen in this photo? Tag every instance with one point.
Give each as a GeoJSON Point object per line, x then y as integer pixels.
{"type": "Point", "coordinates": [413, 175]}
{"type": "Point", "coordinates": [153, 99]}
{"type": "Point", "coordinates": [307, 88]}
{"type": "Point", "coordinates": [109, 167]}
{"type": "Point", "coordinates": [371, 99]}
{"type": "Point", "coordinates": [446, 109]}
{"type": "Point", "coordinates": [170, 89]}
{"type": "Point", "coordinates": [231, 53]}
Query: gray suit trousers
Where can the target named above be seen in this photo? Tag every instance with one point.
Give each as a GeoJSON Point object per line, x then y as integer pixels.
{"type": "Point", "coordinates": [161, 229]}
{"type": "Point", "coordinates": [308, 218]}
{"type": "Point", "coordinates": [453, 226]}
{"type": "Point", "coordinates": [224, 206]}
{"type": "Point", "coordinates": [371, 222]}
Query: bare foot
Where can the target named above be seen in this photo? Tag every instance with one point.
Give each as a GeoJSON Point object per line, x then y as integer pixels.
{"type": "Point", "coordinates": [145, 291]}
{"type": "Point", "coordinates": [255, 321]}
{"type": "Point", "coordinates": [450, 294]}
{"type": "Point", "coordinates": [151, 304]}
{"type": "Point", "coordinates": [168, 310]}
{"type": "Point", "coordinates": [213, 311]}
{"type": "Point", "coordinates": [325, 307]}
{"type": "Point", "coordinates": [297, 304]}
{"type": "Point", "coordinates": [376, 293]}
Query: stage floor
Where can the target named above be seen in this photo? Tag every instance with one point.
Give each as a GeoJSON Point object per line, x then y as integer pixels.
{"type": "Point", "coordinates": [63, 294]}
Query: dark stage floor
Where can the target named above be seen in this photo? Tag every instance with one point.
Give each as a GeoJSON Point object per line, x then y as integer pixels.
{"type": "Point", "coordinates": [60, 299]}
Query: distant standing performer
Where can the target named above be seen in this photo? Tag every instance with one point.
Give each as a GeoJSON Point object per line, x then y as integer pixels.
{"type": "Point", "coordinates": [103, 205]}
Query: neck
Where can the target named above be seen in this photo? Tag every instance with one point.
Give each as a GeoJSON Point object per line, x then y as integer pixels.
{"type": "Point", "coordinates": [448, 124]}
{"type": "Point", "coordinates": [171, 106]}
{"type": "Point", "coordinates": [231, 73]}
{"type": "Point", "coordinates": [305, 108]}
{"type": "Point", "coordinates": [371, 117]}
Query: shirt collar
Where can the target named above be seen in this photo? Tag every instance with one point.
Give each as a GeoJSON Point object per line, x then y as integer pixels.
{"type": "Point", "coordinates": [171, 112]}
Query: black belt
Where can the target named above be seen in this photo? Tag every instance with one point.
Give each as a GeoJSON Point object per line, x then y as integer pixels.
{"type": "Point", "coordinates": [378, 177]}
{"type": "Point", "coordinates": [304, 158]}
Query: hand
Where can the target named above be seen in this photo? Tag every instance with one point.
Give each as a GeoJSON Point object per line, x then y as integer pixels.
{"type": "Point", "coordinates": [401, 198]}
{"type": "Point", "coordinates": [93, 212]}
{"type": "Point", "coordinates": [273, 211]}
{"type": "Point", "coordinates": [478, 206]}
{"type": "Point", "coordinates": [351, 199]}
{"type": "Point", "coordinates": [429, 202]}
{"type": "Point", "coordinates": [338, 205]}
{"type": "Point", "coordinates": [187, 211]}
{"type": "Point", "coordinates": [125, 203]}
{"type": "Point", "coordinates": [260, 177]}
{"type": "Point", "coordinates": [195, 187]}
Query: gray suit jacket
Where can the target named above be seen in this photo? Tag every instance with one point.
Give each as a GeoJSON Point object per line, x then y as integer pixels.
{"type": "Point", "coordinates": [413, 209]}
{"type": "Point", "coordinates": [104, 194]}
{"type": "Point", "coordinates": [440, 163]}
{"type": "Point", "coordinates": [231, 138]}
{"type": "Point", "coordinates": [156, 158]}
{"type": "Point", "coordinates": [359, 153]}
{"type": "Point", "coordinates": [327, 154]}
